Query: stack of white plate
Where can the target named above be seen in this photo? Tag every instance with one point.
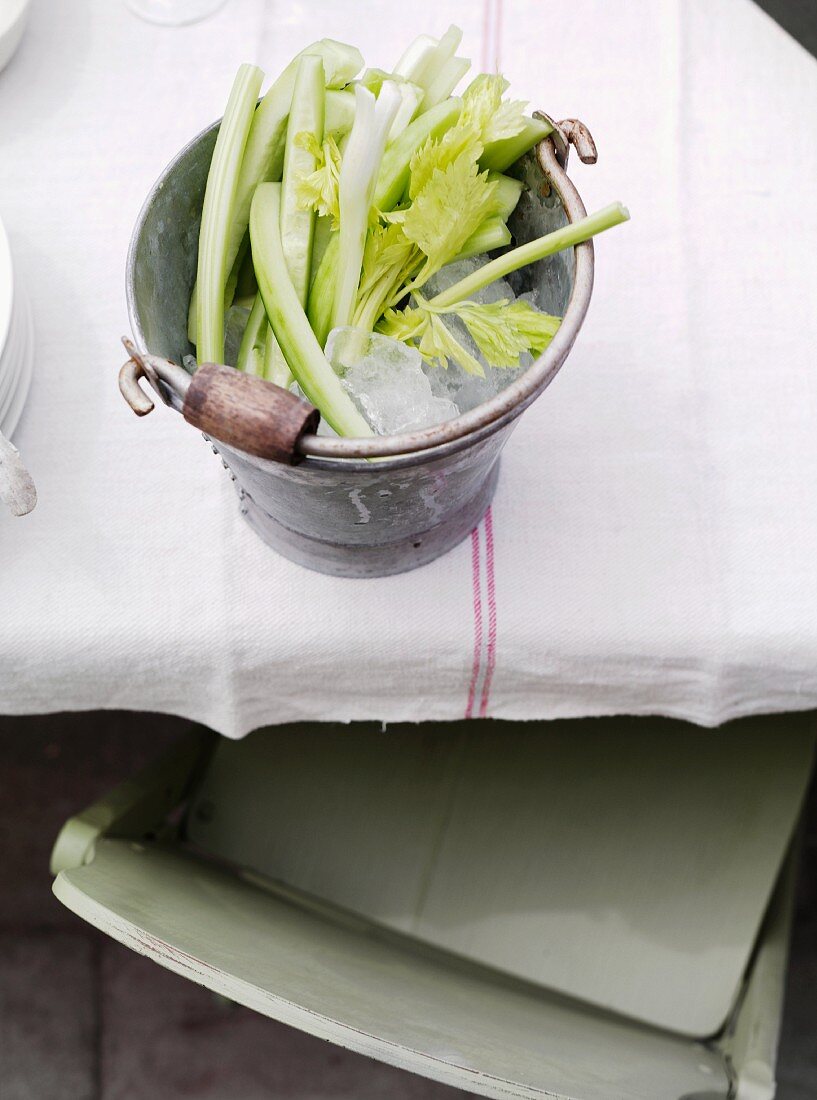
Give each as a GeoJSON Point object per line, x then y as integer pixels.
{"type": "Point", "coordinates": [16, 342]}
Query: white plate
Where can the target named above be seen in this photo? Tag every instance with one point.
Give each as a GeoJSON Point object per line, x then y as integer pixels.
{"type": "Point", "coordinates": [10, 360]}
{"type": "Point", "coordinates": [6, 285]}
{"type": "Point", "coordinates": [13, 18]}
{"type": "Point", "coordinates": [25, 371]}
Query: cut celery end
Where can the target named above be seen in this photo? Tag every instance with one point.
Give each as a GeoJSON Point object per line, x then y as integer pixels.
{"type": "Point", "coordinates": [426, 58]}
{"type": "Point", "coordinates": [445, 81]}
{"type": "Point", "coordinates": [506, 195]}
{"type": "Point", "coordinates": [394, 168]}
{"type": "Point", "coordinates": [303, 354]}
{"type": "Point", "coordinates": [492, 234]}
{"type": "Point", "coordinates": [341, 62]}
{"type": "Point", "coordinates": [416, 57]}
{"type": "Point", "coordinates": [297, 223]}
{"type": "Point", "coordinates": [217, 216]}
{"type": "Point", "coordinates": [499, 155]}
{"type": "Point", "coordinates": [339, 114]}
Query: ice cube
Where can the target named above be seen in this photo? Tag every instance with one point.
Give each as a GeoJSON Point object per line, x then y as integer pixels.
{"type": "Point", "coordinates": [386, 380]}
{"type": "Point", "coordinates": [464, 389]}
{"type": "Point", "coordinates": [189, 363]}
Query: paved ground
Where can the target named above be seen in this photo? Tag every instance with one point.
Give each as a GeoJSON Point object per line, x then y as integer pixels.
{"type": "Point", "coordinates": [82, 1018]}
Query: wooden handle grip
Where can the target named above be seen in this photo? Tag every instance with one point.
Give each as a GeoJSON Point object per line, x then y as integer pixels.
{"type": "Point", "coordinates": [248, 413]}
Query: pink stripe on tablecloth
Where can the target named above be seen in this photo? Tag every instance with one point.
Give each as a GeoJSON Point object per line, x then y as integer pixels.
{"type": "Point", "coordinates": [491, 585]}
{"type": "Point", "coordinates": [489, 516]}
{"type": "Point", "coordinates": [486, 32]}
{"type": "Point", "coordinates": [498, 35]}
{"type": "Point", "coordinates": [477, 586]}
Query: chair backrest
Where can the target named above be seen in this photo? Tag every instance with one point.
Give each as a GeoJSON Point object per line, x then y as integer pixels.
{"type": "Point", "coordinates": [626, 863]}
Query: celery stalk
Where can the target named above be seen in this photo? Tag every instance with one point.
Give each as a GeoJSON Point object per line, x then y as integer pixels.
{"type": "Point", "coordinates": [356, 189]}
{"type": "Point", "coordinates": [392, 181]}
{"type": "Point", "coordinates": [446, 80]}
{"type": "Point", "coordinates": [264, 155]}
{"type": "Point", "coordinates": [251, 350]}
{"type": "Point", "coordinates": [217, 214]}
{"type": "Point", "coordinates": [302, 352]}
{"type": "Point", "coordinates": [566, 237]}
{"type": "Point", "coordinates": [416, 57]}
{"type": "Point", "coordinates": [276, 368]}
{"type": "Point", "coordinates": [230, 288]}
{"type": "Point", "coordinates": [426, 59]}
{"type": "Point", "coordinates": [394, 168]}
{"type": "Point", "coordinates": [339, 112]}
{"type": "Point", "coordinates": [321, 293]}
{"type": "Point", "coordinates": [493, 233]}
{"type": "Point", "coordinates": [320, 242]}
{"type": "Point", "coordinates": [499, 155]}
{"type": "Point", "coordinates": [507, 193]}
{"type": "Point", "coordinates": [298, 224]}
{"type": "Point", "coordinates": [411, 96]}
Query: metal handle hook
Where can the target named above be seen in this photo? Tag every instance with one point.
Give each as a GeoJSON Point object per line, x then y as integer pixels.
{"type": "Point", "coordinates": [570, 131]}
{"type": "Point", "coordinates": [160, 373]}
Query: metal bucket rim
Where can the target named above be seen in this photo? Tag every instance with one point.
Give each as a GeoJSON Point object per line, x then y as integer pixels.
{"type": "Point", "coordinates": [396, 451]}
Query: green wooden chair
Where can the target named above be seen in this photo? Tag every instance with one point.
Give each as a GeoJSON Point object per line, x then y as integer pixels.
{"type": "Point", "coordinates": [590, 910]}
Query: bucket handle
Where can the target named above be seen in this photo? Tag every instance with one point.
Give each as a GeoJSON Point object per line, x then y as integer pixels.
{"type": "Point", "coordinates": [236, 408]}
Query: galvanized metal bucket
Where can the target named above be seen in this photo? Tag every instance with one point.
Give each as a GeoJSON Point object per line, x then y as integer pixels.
{"type": "Point", "coordinates": [334, 510]}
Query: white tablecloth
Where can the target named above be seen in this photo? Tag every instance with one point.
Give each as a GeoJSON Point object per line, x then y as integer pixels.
{"type": "Point", "coordinates": [652, 547]}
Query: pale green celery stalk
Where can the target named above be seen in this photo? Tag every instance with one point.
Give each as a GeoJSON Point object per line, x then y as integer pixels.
{"type": "Point", "coordinates": [276, 368]}
{"type": "Point", "coordinates": [230, 289]}
{"type": "Point", "coordinates": [339, 112]}
{"type": "Point", "coordinates": [218, 211]}
{"type": "Point", "coordinates": [356, 190]}
{"type": "Point", "coordinates": [320, 242]}
{"type": "Point", "coordinates": [411, 96]}
{"type": "Point", "coordinates": [499, 155]}
{"type": "Point", "coordinates": [297, 223]}
{"type": "Point", "coordinates": [309, 365]}
{"type": "Point", "coordinates": [391, 184]}
{"type": "Point", "coordinates": [321, 293]}
{"type": "Point", "coordinates": [493, 233]}
{"type": "Point", "coordinates": [426, 58]}
{"type": "Point", "coordinates": [251, 351]}
{"type": "Point", "coordinates": [566, 237]}
{"type": "Point", "coordinates": [445, 81]}
{"type": "Point", "coordinates": [395, 166]}
{"type": "Point", "coordinates": [506, 195]}
{"type": "Point", "coordinates": [416, 56]}
{"type": "Point", "coordinates": [264, 155]}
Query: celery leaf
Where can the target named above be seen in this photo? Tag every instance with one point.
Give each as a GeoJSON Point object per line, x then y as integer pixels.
{"type": "Point", "coordinates": [503, 330]}
{"type": "Point", "coordinates": [451, 206]}
{"type": "Point", "coordinates": [387, 249]}
{"type": "Point", "coordinates": [484, 109]}
{"type": "Point", "coordinates": [319, 190]}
